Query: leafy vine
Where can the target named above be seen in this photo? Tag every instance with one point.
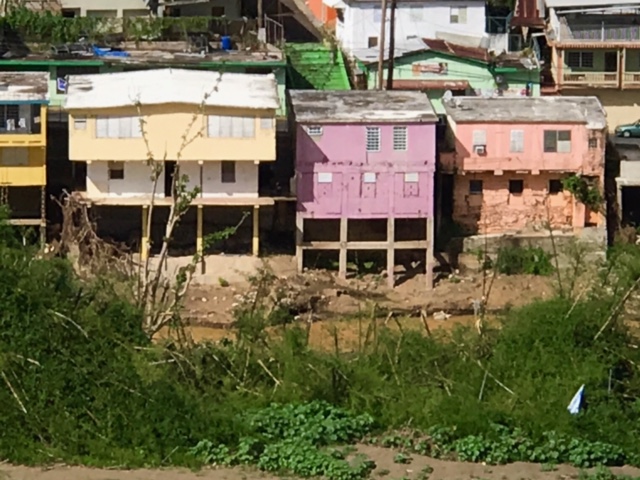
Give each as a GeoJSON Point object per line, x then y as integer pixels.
{"type": "Point", "coordinates": [584, 191]}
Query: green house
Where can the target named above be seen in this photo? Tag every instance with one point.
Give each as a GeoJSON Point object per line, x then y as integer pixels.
{"type": "Point", "coordinates": [442, 66]}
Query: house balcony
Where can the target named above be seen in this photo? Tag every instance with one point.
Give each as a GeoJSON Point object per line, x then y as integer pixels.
{"type": "Point", "coordinates": [590, 79]}
{"type": "Point", "coordinates": [462, 162]}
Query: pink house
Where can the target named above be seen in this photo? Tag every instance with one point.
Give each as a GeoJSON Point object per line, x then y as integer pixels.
{"type": "Point", "coordinates": [509, 157]}
{"type": "Point", "coordinates": [364, 156]}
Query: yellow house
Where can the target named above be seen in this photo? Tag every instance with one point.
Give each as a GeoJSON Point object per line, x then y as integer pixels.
{"type": "Point", "coordinates": [23, 141]}
{"type": "Point", "coordinates": [216, 128]}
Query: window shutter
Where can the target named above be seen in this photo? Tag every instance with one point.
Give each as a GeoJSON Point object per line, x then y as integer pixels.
{"type": "Point", "coordinates": [102, 127]}
{"type": "Point", "coordinates": [479, 137]}
{"type": "Point", "coordinates": [124, 127]}
{"type": "Point", "coordinates": [249, 127]}
{"type": "Point", "coordinates": [517, 141]}
{"type": "Point", "coordinates": [550, 141]}
{"type": "Point", "coordinates": [213, 126]}
{"type": "Point", "coordinates": [462, 15]}
{"type": "Point", "coordinates": [113, 127]}
{"type": "Point", "coordinates": [225, 127]}
{"type": "Point", "coordinates": [136, 127]}
{"type": "Point", "coordinates": [236, 127]}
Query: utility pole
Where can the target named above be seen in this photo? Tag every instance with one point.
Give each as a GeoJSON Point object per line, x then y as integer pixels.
{"type": "Point", "coordinates": [381, 43]}
{"type": "Point", "coordinates": [260, 14]}
{"type": "Point", "coordinates": [392, 44]}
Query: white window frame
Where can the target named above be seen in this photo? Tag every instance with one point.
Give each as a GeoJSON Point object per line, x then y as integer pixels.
{"type": "Point", "coordinates": [314, 130]}
{"type": "Point", "coordinates": [561, 146]}
{"type": "Point", "coordinates": [14, 157]}
{"type": "Point", "coordinates": [516, 144]}
{"type": "Point", "coordinates": [580, 59]}
{"type": "Point", "coordinates": [400, 139]}
{"type": "Point", "coordinates": [114, 166]}
{"type": "Point", "coordinates": [369, 177]}
{"type": "Point", "coordinates": [458, 15]}
{"type": "Point", "coordinates": [325, 177]}
{"type": "Point", "coordinates": [372, 137]}
{"type": "Point", "coordinates": [80, 122]}
{"type": "Point", "coordinates": [225, 126]}
{"type": "Point", "coordinates": [411, 177]}
{"type": "Point", "coordinates": [118, 127]}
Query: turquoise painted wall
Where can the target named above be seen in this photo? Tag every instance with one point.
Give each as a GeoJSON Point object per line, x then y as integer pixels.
{"type": "Point", "coordinates": [476, 73]}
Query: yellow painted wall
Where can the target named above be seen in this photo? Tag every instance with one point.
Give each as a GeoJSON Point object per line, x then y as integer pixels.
{"type": "Point", "coordinates": [34, 174]}
{"type": "Point", "coordinates": [622, 106]}
{"type": "Point", "coordinates": [165, 127]}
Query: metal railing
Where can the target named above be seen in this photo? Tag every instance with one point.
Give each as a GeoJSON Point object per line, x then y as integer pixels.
{"type": "Point", "coordinates": [603, 32]}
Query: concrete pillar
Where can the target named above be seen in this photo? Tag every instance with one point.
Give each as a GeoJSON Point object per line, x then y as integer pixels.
{"type": "Point", "coordinates": [200, 238]}
{"type": "Point", "coordinates": [43, 216]}
{"type": "Point", "coordinates": [430, 251]}
{"type": "Point", "coordinates": [619, 197]}
{"type": "Point", "coordinates": [342, 258]}
{"type": "Point", "coordinates": [299, 239]}
{"type": "Point", "coordinates": [144, 241]}
{"type": "Point", "coordinates": [391, 251]}
{"type": "Point", "coordinates": [255, 244]}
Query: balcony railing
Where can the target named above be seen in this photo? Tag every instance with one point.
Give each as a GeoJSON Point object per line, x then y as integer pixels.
{"type": "Point", "coordinates": [604, 79]}
{"type": "Point", "coordinates": [631, 79]}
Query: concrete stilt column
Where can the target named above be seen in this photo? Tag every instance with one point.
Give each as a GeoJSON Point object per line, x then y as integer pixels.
{"type": "Point", "coordinates": [391, 251]}
{"type": "Point", "coordinates": [430, 258]}
{"type": "Point", "coordinates": [200, 237]}
{"type": "Point", "coordinates": [342, 258]}
{"type": "Point", "coordinates": [255, 244]}
{"type": "Point", "coordinates": [144, 241]}
{"type": "Point", "coordinates": [299, 239]}
{"type": "Point", "coordinates": [43, 216]}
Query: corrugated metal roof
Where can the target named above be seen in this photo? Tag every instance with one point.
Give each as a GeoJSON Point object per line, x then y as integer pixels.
{"type": "Point", "coordinates": [361, 106]}
{"type": "Point", "coordinates": [587, 110]}
{"type": "Point", "coordinates": [589, 3]}
{"type": "Point", "coordinates": [155, 87]}
{"type": "Point", "coordinates": [24, 86]}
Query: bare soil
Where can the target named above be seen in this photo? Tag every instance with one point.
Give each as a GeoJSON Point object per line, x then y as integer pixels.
{"type": "Point", "coordinates": [210, 304]}
{"type": "Point", "coordinates": [386, 469]}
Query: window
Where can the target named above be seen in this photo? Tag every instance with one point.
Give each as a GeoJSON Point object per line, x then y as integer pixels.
{"type": "Point", "coordinates": [80, 123]}
{"type": "Point", "coordinates": [557, 141]}
{"type": "Point", "coordinates": [217, 11]}
{"type": "Point", "coordinates": [516, 187]}
{"type": "Point", "coordinates": [314, 131]}
{"type": "Point", "coordinates": [400, 139]}
{"type": "Point", "coordinates": [369, 177]}
{"type": "Point", "coordinates": [372, 42]}
{"type": "Point", "coordinates": [231, 127]}
{"type": "Point", "coordinates": [118, 127]}
{"type": "Point", "coordinates": [479, 138]}
{"type": "Point", "coordinates": [517, 141]}
{"type": "Point", "coordinates": [580, 59]}
{"type": "Point", "coordinates": [228, 172]}
{"type": "Point", "coordinates": [116, 170]}
{"type": "Point", "coordinates": [475, 187]}
{"type": "Point", "coordinates": [266, 123]}
{"type": "Point", "coordinates": [411, 178]}
{"type": "Point", "coordinates": [15, 157]}
{"type": "Point", "coordinates": [458, 15]}
{"type": "Point", "coordinates": [373, 139]}
{"type": "Point", "coordinates": [325, 177]}
{"type": "Point", "coordinates": [593, 143]}
{"type": "Point", "coordinates": [555, 186]}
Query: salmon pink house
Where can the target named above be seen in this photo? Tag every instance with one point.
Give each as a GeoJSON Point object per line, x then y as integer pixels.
{"type": "Point", "coordinates": [365, 163]}
{"type": "Point", "coordinates": [510, 157]}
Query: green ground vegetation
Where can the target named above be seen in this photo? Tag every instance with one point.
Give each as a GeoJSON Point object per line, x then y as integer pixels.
{"type": "Point", "coordinates": [80, 382]}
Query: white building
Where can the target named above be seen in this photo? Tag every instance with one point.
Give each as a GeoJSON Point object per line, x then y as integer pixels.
{"type": "Point", "coordinates": [359, 22]}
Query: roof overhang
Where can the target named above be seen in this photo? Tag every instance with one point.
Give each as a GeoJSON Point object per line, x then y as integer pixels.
{"type": "Point", "coordinates": [334, 3]}
{"type": "Point", "coordinates": [430, 84]}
